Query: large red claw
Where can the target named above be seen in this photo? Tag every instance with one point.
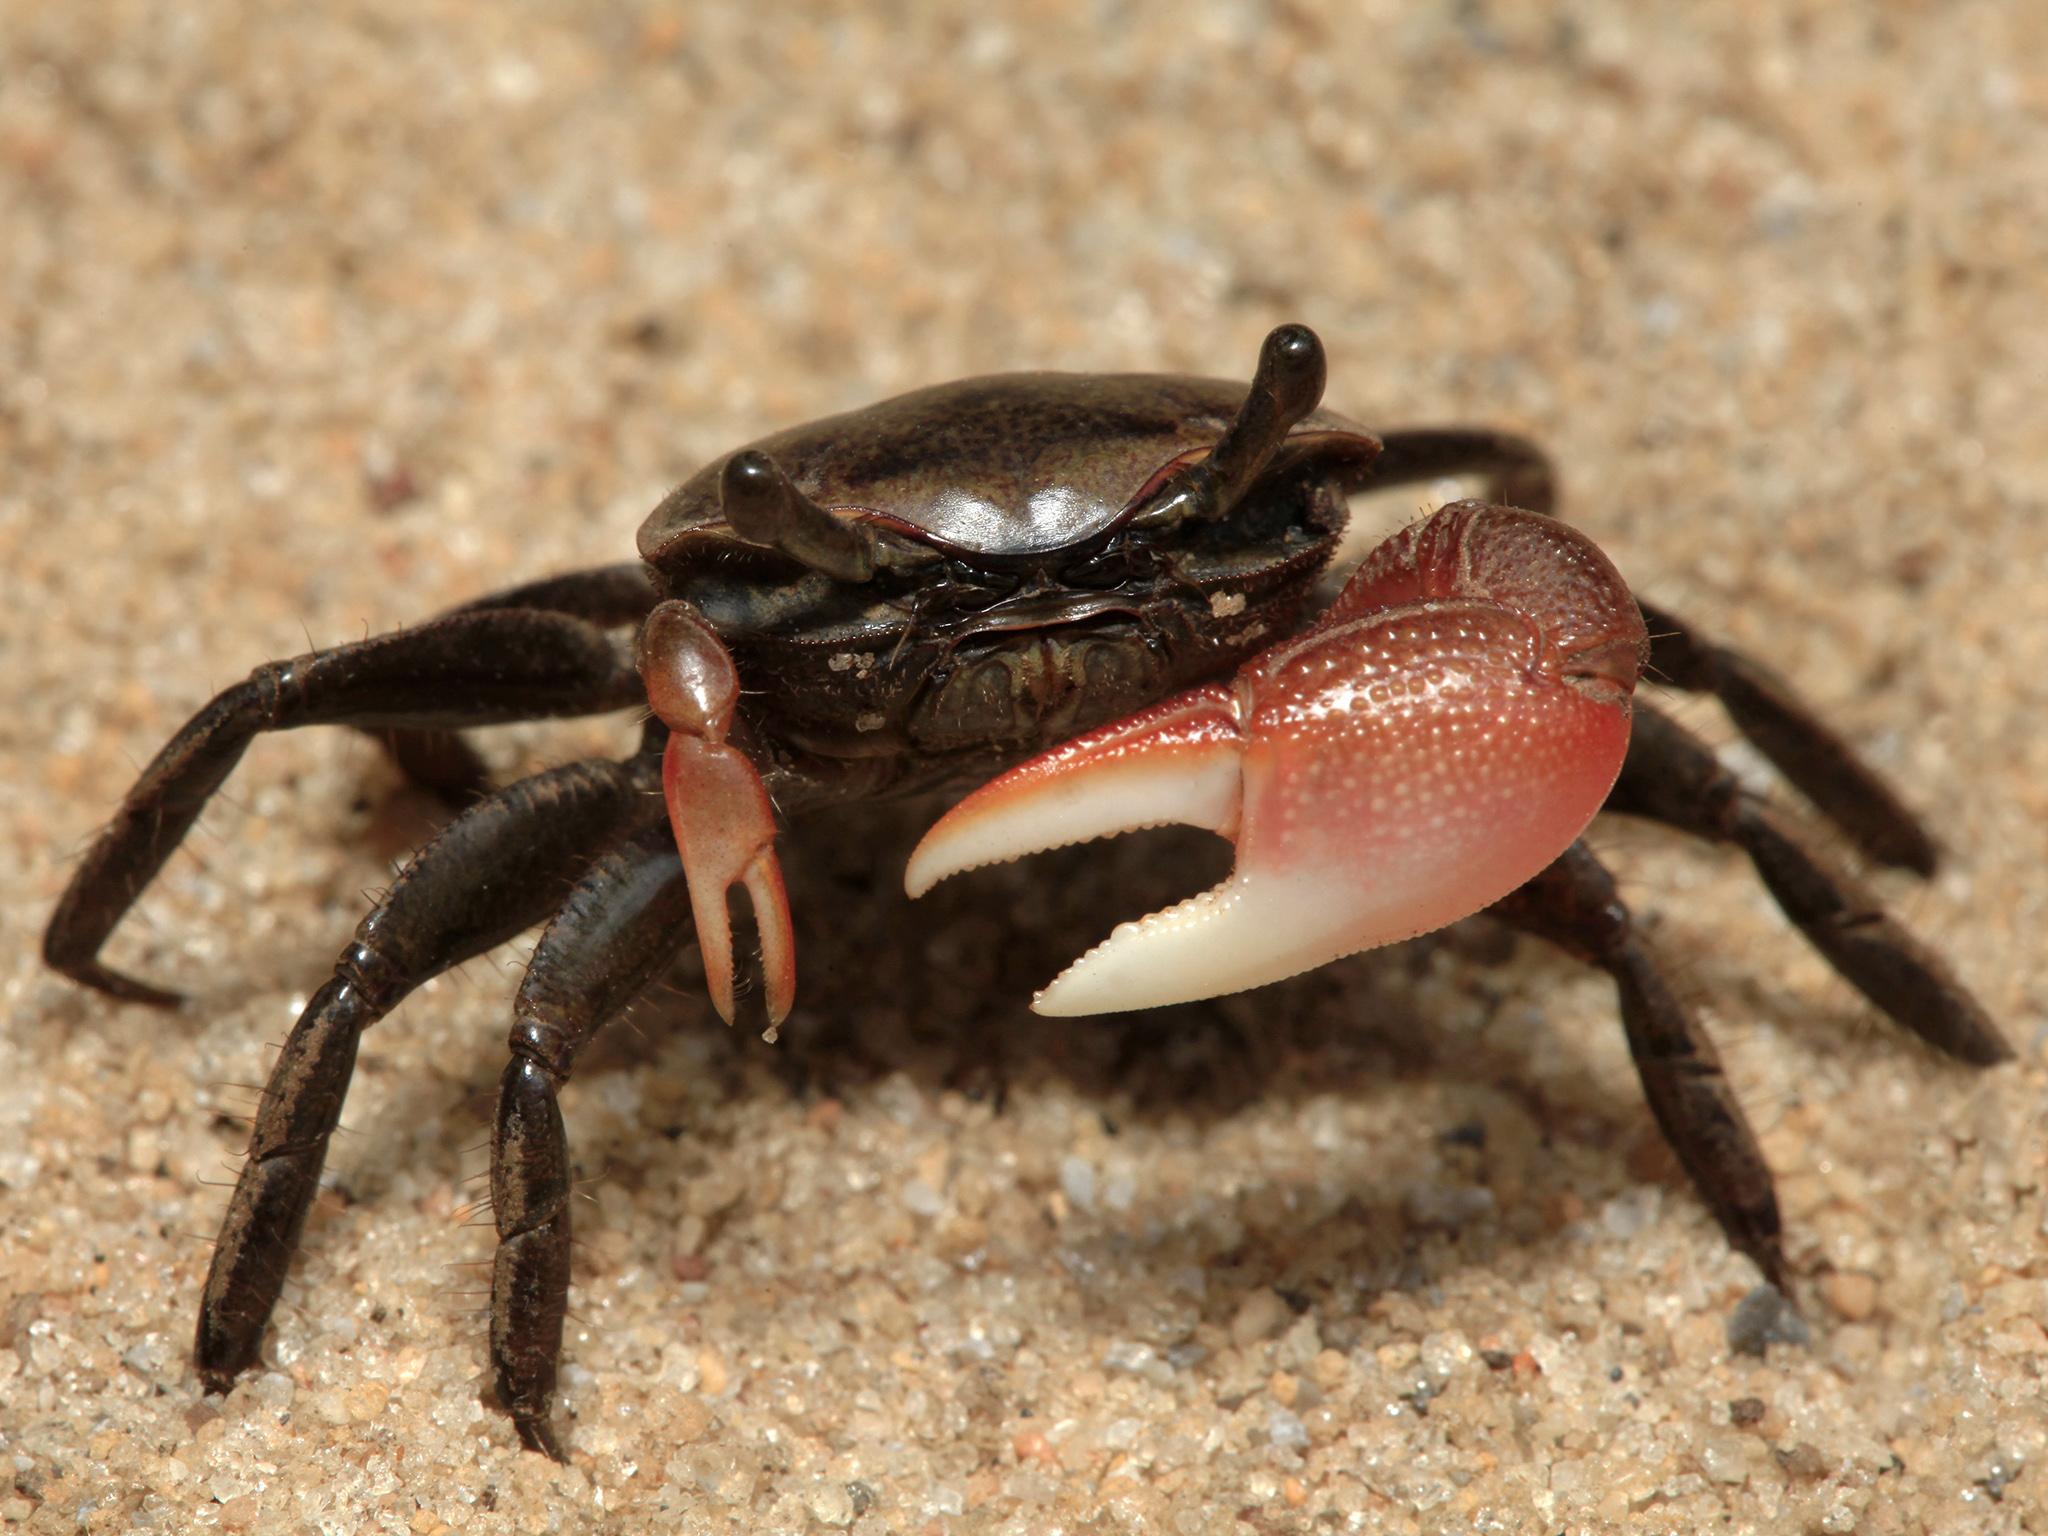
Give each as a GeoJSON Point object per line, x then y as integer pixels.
{"type": "Point", "coordinates": [1441, 734]}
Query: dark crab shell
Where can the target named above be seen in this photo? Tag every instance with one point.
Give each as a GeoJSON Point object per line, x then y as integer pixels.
{"type": "Point", "coordinates": [1024, 597]}
{"type": "Point", "coordinates": [995, 471]}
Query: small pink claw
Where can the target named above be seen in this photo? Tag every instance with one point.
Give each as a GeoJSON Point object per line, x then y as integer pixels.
{"type": "Point", "coordinates": [1441, 734]}
{"type": "Point", "coordinates": [719, 810]}
{"type": "Point", "coordinates": [724, 826]}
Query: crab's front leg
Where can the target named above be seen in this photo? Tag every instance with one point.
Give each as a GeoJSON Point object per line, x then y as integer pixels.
{"type": "Point", "coordinates": [1438, 737]}
{"type": "Point", "coordinates": [718, 808]}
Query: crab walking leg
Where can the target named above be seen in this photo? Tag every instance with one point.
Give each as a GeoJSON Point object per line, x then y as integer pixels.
{"type": "Point", "coordinates": [481, 668]}
{"type": "Point", "coordinates": [1765, 708]}
{"type": "Point", "coordinates": [442, 762]}
{"type": "Point", "coordinates": [1518, 473]}
{"type": "Point", "coordinates": [1437, 738]}
{"type": "Point", "coordinates": [1573, 904]}
{"type": "Point", "coordinates": [622, 926]}
{"type": "Point", "coordinates": [1797, 741]}
{"type": "Point", "coordinates": [494, 871]}
{"type": "Point", "coordinates": [1673, 777]}
{"type": "Point", "coordinates": [718, 808]}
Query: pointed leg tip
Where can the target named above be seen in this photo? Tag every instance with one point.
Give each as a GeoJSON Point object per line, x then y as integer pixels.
{"type": "Point", "coordinates": [220, 1354]}
{"type": "Point", "coordinates": [150, 997]}
{"type": "Point", "coordinates": [114, 984]}
{"type": "Point", "coordinates": [1914, 852]}
{"type": "Point", "coordinates": [216, 1377]}
{"type": "Point", "coordinates": [1770, 1259]}
{"type": "Point", "coordinates": [538, 1434]}
{"type": "Point", "coordinates": [1987, 1047]}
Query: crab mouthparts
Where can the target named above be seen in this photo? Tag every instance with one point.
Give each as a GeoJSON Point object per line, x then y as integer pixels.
{"type": "Point", "coordinates": [1438, 738]}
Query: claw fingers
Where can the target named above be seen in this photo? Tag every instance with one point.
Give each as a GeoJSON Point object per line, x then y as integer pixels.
{"type": "Point", "coordinates": [725, 828]}
{"type": "Point", "coordinates": [1437, 739]}
{"type": "Point", "coordinates": [777, 937]}
{"type": "Point", "coordinates": [718, 808]}
{"type": "Point", "coordinates": [1175, 763]}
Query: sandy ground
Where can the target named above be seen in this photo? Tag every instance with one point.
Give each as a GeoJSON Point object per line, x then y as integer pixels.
{"type": "Point", "coordinates": [314, 321]}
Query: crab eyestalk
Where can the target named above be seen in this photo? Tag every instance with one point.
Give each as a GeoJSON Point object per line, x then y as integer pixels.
{"type": "Point", "coordinates": [1438, 737]}
{"type": "Point", "coordinates": [718, 808]}
{"type": "Point", "coordinates": [1286, 386]}
{"type": "Point", "coordinates": [763, 506]}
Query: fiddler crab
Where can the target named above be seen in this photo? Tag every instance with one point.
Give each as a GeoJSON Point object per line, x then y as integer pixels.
{"type": "Point", "coordinates": [1095, 597]}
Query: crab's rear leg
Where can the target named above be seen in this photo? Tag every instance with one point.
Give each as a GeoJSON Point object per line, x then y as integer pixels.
{"type": "Point", "coordinates": [1574, 905]}
{"type": "Point", "coordinates": [1440, 735]}
{"type": "Point", "coordinates": [1765, 708]}
{"type": "Point", "coordinates": [1517, 472]}
{"type": "Point", "coordinates": [479, 668]}
{"type": "Point", "coordinates": [1799, 744]}
{"type": "Point", "coordinates": [442, 762]}
{"type": "Point", "coordinates": [1673, 777]}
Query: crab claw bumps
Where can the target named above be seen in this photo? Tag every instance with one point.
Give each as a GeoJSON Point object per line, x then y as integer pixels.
{"type": "Point", "coordinates": [1434, 740]}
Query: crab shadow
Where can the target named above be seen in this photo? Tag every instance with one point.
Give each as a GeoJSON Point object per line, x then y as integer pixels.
{"type": "Point", "coordinates": [936, 992]}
